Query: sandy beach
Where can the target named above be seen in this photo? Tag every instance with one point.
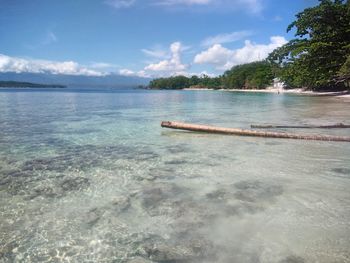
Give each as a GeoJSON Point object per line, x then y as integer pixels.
{"type": "Point", "coordinates": [337, 94]}
{"type": "Point", "coordinates": [340, 94]}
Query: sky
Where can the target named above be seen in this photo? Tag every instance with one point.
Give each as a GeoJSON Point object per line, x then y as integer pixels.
{"type": "Point", "coordinates": [147, 38]}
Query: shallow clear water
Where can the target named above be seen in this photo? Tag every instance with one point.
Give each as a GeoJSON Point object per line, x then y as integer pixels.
{"type": "Point", "coordinates": [89, 176]}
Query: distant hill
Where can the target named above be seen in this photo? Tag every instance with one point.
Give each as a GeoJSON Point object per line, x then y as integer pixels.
{"type": "Point", "coordinates": [18, 84]}
{"type": "Point", "coordinates": [112, 80]}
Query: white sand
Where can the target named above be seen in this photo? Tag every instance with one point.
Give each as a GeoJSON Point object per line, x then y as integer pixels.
{"type": "Point", "coordinates": [344, 96]}
{"type": "Point", "coordinates": [296, 91]}
{"type": "Point", "coordinates": [340, 94]}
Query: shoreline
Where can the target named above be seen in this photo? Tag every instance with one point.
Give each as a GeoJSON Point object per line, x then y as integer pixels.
{"type": "Point", "coordinates": [338, 94]}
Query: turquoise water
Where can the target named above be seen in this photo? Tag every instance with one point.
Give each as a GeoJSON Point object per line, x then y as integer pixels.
{"type": "Point", "coordinates": [88, 175]}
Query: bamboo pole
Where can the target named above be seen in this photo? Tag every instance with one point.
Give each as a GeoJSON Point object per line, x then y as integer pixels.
{"type": "Point", "coordinates": [333, 126]}
{"type": "Point", "coordinates": [243, 132]}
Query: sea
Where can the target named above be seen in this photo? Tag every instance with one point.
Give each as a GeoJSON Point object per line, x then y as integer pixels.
{"type": "Point", "coordinates": [89, 175]}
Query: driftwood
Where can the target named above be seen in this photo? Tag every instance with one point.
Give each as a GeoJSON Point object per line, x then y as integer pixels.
{"type": "Point", "coordinates": [256, 133]}
{"type": "Point", "coordinates": [334, 126]}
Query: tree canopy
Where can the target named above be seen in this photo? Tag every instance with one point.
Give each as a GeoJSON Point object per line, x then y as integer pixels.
{"type": "Point", "coordinates": [182, 82]}
{"type": "Point", "coordinates": [321, 48]}
{"type": "Point", "coordinates": [256, 75]}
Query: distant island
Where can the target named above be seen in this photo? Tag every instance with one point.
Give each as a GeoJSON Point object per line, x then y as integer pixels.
{"type": "Point", "coordinates": [18, 84]}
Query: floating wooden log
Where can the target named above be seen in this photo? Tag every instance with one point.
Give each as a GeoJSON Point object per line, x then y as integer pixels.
{"type": "Point", "coordinates": [333, 126]}
{"type": "Point", "coordinates": [256, 133]}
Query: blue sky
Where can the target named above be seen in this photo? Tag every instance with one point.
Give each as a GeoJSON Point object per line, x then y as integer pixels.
{"type": "Point", "coordinates": [141, 37]}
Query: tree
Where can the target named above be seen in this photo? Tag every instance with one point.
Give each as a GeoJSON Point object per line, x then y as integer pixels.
{"type": "Point", "coordinates": [177, 82]}
{"type": "Point", "coordinates": [194, 80]}
{"type": "Point", "coordinates": [345, 69]}
{"type": "Point", "coordinates": [255, 75]}
{"type": "Point", "coordinates": [320, 49]}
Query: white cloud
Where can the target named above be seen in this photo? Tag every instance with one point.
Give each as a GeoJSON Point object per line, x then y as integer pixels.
{"type": "Point", "coordinates": [131, 73]}
{"type": "Point", "coordinates": [120, 3]}
{"type": "Point", "coordinates": [127, 72]}
{"type": "Point", "coordinates": [173, 64]}
{"type": "Point", "coordinates": [153, 74]}
{"type": "Point", "coordinates": [202, 74]}
{"type": "Point", "coordinates": [170, 65]}
{"type": "Point", "coordinates": [19, 65]}
{"type": "Point", "coordinates": [216, 55]}
{"type": "Point", "coordinates": [102, 65]}
{"type": "Point", "coordinates": [222, 58]}
{"type": "Point", "coordinates": [226, 38]}
{"type": "Point", "coordinates": [155, 53]}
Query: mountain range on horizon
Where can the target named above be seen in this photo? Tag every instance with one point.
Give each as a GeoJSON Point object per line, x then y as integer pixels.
{"type": "Point", "coordinates": [112, 80]}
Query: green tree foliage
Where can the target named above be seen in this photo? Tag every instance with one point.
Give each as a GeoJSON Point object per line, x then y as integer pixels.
{"type": "Point", "coordinates": [344, 74]}
{"type": "Point", "coordinates": [315, 58]}
{"type": "Point", "coordinates": [182, 82]}
{"type": "Point", "coordinates": [345, 69]}
{"type": "Point", "coordinates": [177, 82]}
{"type": "Point", "coordinates": [256, 75]}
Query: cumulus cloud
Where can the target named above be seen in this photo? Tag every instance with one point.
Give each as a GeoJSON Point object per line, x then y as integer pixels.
{"type": "Point", "coordinates": [19, 65]}
{"type": "Point", "coordinates": [226, 38]}
{"type": "Point", "coordinates": [216, 55]}
{"type": "Point", "coordinates": [223, 58]}
{"type": "Point", "coordinates": [170, 64]}
{"type": "Point", "coordinates": [173, 64]}
{"type": "Point", "coordinates": [120, 3]}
